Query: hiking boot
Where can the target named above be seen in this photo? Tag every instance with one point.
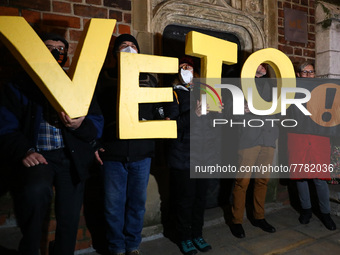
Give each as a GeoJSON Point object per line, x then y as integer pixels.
{"type": "Point", "coordinates": [187, 247]}
{"type": "Point", "coordinates": [201, 244]}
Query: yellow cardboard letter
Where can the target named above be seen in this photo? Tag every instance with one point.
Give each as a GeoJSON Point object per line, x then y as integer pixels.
{"type": "Point", "coordinates": [73, 93]}
{"type": "Point", "coordinates": [213, 52]}
{"type": "Point", "coordinates": [284, 72]}
{"type": "Point", "coordinates": [130, 95]}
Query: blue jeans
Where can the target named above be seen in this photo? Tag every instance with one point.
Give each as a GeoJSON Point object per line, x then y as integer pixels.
{"type": "Point", "coordinates": [322, 191]}
{"type": "Point", "coordinates": [125, 187]}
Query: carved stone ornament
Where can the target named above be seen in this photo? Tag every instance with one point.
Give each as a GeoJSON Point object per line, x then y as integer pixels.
{"type": "Point", "coordinates": [216, 15]}
{"type": "Point", "coordinates": [254, 6]}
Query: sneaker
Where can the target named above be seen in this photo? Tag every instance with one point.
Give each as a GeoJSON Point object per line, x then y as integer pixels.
{"type": "Point", "coordinates": [264, 225]}
{"type": "Point", "coordinates": [327, 221]}
{"type": "Point", "coordinates": [187, 247]}
{"type": "Point", "coordinates": [201, 244]}
{"type": "Point", "coordinates": [237, 230]}
{"type": "Point", "coordinates": [305, 216]}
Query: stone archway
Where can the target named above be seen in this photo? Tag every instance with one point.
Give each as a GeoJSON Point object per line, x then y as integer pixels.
{"type": "Point", "coordinates": [210, 16]}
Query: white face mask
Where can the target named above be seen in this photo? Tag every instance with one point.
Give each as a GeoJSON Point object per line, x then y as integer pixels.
{"type": "Point", "coordinates": [186, 76]}
{"type": "Point", "coordinates": [129, 49]}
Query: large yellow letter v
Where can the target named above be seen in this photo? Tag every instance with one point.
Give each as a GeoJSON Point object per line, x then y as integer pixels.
{"type": "Point", "coordinates": [71, 94]}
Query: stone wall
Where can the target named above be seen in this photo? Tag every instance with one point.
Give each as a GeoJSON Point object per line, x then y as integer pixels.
{"type": "Point", "coordinates": [327, 40]}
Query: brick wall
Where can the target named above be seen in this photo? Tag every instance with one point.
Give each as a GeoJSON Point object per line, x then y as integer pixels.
{"type": "Point", "coordinates": [68, 17]}
{"type": "Point", "coordinates": [297, 51]}
{"type": "Point", "coordinates": [65, 17]}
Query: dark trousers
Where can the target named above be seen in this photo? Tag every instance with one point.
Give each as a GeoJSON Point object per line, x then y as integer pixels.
{"type": "Point", "coordinates": [188, 199]}
{"type": "Point", "coordinates": [33, 195]}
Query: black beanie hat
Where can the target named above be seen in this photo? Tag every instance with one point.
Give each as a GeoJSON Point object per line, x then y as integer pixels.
{"type": "Point", "coordinates": [54, 37]}
{"type": "Point", "coordinates": [122, 38]}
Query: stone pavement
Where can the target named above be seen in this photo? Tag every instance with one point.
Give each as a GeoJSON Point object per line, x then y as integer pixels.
{"type": "Point", "coordinates": [291, 237]}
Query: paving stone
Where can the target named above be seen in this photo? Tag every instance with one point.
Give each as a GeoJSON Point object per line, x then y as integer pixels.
{"type": "Point", "coordinates": [317, 248]}
{"type": "Point", "coordinates": [275, 243]}
{"type": "Point", "coordinates": [315, 228]}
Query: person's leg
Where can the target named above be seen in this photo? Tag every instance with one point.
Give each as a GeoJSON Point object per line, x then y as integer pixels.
{"type": "Point", "coordinates": [304, 196]}
{"type": "Point", "coordinates": [239, 199]}
{"type": "Point", "coordinates": [260, 191]}
{"type": "Point", "coordinates": [198, 214]}
{"type": "Point", "coordinates": [306, 206]}
{"type": "Point", "coordinates": [323, 196]}
{"type": "Point", "coordinates": [182, 194]}
{"type": "Point", "coordinates": [115, 186]}
{"type": "Point", "coordinates": [322, 191]}
{"type": "Point", "coordinates": [138, 178]}
{"type": "Point", "coordinates": [32, 198]}
{"type": "Point", "coordinates": [246, 158]}
{"type": "Point", "coordinates": [183, 197]}
{"type": "Point", "coordinates": [201, 187]}
{"type": "Point", "coordinates": [265, 158]}
{"type": "Point", "coordinates": [68, 201]}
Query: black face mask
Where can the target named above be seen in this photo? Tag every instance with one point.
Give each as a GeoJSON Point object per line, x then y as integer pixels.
{"type": "Point", "coordinates": [60, 57]}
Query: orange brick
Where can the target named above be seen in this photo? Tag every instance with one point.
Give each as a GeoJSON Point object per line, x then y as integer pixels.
{"type": "Point", "coordinates": [75, 35]}
{"type": "Point", "coordinates": [97, 2]}
{"type": "Point", "coordinates": [82, 221]}
{"type": "Point", "coordinates": [52, 225]}
{"type": "Point", "coordinates": [80, 245]}
{"type": "Point", "coordinates": [89, 11]}
{"type": "Point", "coordinates": [124, 29]}
{"type": "Point", "coordinates": [80, 234]}
{"type": "Point", "coordinates": [41, 5]}
{"type": "Point", "coordinates": [31, 16]}
{"type": "Point", "coordinates": [50, 237]}
{"type": "Point", "coordinates": [117, 15]}
{"type": "Point", "coordinates": [9, 11]}
{"type": "Point", "coordinates": [87, 234]}
{"type": "Point", "coordinates": [127, 18]}
{"type": "Point", "coordinates": [85, 21]}
{"type": "Point", "coordinates": [61, 7]}
{"type": "Point", "coordinates": [61, 20]}
{"type": "Point", "coordinates": [71, 48]}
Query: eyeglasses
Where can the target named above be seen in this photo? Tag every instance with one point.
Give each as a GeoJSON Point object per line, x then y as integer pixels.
{"type": "Point", "coordinates": [61, 49]}
{"type": "Point", "coordinates": [308, 72]}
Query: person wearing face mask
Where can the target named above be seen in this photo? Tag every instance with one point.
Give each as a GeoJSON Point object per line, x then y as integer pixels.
{"type": "Point", "coordinates": [46, 148]}
{"type": "Point", "coordinates": [188, 196]}
{"type": "Point", "coordinates": [309, 150]}
{"type": "Point", "coordinates": [125, 163]}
